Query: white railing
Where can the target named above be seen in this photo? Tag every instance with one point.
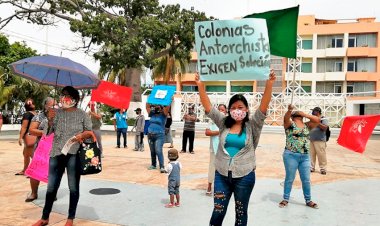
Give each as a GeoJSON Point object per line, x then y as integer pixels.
{"type": "Point", "coordinates": [333, 105]}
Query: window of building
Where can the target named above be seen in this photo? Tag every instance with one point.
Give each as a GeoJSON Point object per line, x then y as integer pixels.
{"type": "Point", "coordinates": [329, 65]}
{"type": "Point", "coordinates": [337, 88]}
{"type": "Point", "coordinates": [329, 87]}
{"type": "Point", "coordinates": [352, 41]}
{"type": "Point", "coordinates": [307, 44]}
{"type": "Point", "coordinates": [188, 88]}
{"type": "Point", "coordinates": [337, 42]}
{"type": "Point", "coordinates": [191, 67]}
{"type": "Point", "coordinates": [307, 88]}
{"type": "Point", "coordinates": [361, 64]}
{"type": "Point", "coordinates": [362, 40]}
{"type": "Point", "coordinates": [350, 88]}
{"type": "Point", "coordinates": [360, 87]}
{"type": "Point", "coordinates": [338, 66]}
{"type": "Point", "coordinates": [306, 67]}
{"type": "Point", "coordinates": [241, 88]}
{"type": "Point", "coordinates": [210, 88]}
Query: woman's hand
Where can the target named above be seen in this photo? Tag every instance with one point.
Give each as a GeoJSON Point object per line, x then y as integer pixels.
{"type": "Point", "coordinates": [272, 76]}
{"type": "Point", "coordinates": [290, 107]}
{"type": "Point", "coordinates": [79, 138]}
{"type": "Point", "coordinates": [20, 141]}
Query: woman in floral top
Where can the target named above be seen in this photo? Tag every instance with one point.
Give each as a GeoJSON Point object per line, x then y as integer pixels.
{"type": "Point", "coordinates": [296, 154]}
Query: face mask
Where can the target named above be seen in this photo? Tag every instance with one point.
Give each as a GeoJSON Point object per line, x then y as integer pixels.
{"type": "Point", "coordinates": [67, 102]}
{"type": "Point", "coordinates": [238, 115]}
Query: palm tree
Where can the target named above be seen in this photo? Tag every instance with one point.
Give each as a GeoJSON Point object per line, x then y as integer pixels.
{"type": "Point", "coordinates": [171, 64]}
{"type": "Point", "coordinates": [130, 77]}
{"type": "Point", "coordinates": [5, 91]}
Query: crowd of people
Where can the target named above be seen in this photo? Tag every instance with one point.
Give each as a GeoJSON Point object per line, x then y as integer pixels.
{"type": "Point", "coordinates": [234, 134]}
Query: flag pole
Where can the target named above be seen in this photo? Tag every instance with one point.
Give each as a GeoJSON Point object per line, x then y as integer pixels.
{"type": "Point", "coordinates": [294, 79]}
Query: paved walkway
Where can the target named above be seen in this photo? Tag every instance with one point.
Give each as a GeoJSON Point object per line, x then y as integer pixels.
{"type": "Point", "coordinates": [348, 195]}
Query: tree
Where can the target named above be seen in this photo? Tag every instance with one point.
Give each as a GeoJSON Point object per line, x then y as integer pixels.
{"type": "Point", "coordinates": [13, 88]}
{"type": "Point", "coordinates": [125, 29]}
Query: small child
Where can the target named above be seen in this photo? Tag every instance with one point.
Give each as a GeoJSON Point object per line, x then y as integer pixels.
{"type": "Point", "coordinates": [174, 177]}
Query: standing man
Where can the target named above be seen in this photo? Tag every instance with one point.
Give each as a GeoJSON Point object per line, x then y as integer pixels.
{"type": "Point", "coordinates": [318, 141]}
{"type": "Point", "coordinates": [96, 119]}
{"type": "Point", "coordinates": [189, 130]}
{"type": "Point", "coordinates": [139, 127]}
{"type": "Point", "coordinates": [120, 125]}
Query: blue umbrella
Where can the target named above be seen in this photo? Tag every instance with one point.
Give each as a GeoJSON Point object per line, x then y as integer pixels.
{"type": "Point", "coordinates": [56, 71]}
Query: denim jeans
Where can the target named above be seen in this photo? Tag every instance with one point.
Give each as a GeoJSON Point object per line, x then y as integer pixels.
{"type": "Point", "coordinates": [156, 141]}
{"type": "Point", "coordinates": [292, 162]}
{"type": "Point", "coordinates": [223, 188]}
{"type": "Point", "coordinates": [57, 167]}
{"type": "Point", "coordinates": [119, 132]}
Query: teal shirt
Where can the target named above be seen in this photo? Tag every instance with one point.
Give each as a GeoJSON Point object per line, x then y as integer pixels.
{"type": "Point", "coordinates": [234, 143]}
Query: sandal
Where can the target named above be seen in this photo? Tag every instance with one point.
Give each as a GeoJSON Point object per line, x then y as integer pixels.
{"type": "Point", "coordinates": [283, 204]}
{"type": "Point", "coordinates": [21, 173]}
{"type": "Point", "coordinates": [209, 193]}
{"type": "Point", "coordinates": [31, 198]}
{"type": "Point", "coordinates": [312, 204]}
{"type": "Point", "coordinates": [169, 205]}
{"type": "Point", "coordinates": [177, 204]}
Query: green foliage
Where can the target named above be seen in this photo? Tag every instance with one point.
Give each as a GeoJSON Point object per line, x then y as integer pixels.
{"type": "Point", "coordinates": [13, 88]}
{"type": "Point", "coordinates": [126, 30]}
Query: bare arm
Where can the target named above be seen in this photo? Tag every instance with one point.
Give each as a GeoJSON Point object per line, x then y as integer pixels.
{"type": "Point", "coordinates": [209, 133]}
{"type": "Point", "coordinates": [287, 121]}
{"type": "Point", "coordinates": [312, 118]}
{"type": "Point", "coordinates": [267, 96]}
{"type": "Point", "coordinates": [166, 110]}
{"type": "Point", "coordinates": [22, 131]}
{"type": "Point", "coordinates": [203, 95]}
{"type": "Point", "coordinates": [33, 129]}
{"type": "Point", "coordinates": [147, 106]}
{"type": "Point", "coordinates": [96, 115]}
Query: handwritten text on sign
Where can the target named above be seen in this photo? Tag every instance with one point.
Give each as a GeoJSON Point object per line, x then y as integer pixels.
{"type": "Point", "coordinates": [232, 49]}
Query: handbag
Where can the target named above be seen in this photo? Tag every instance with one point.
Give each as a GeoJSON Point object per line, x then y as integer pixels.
{"type": "Point", "coordinates": [29, 140]}
{"type": "Point", "coordinates": [39, 167]}
{"type": "Point", "coordinates": [90, 158]}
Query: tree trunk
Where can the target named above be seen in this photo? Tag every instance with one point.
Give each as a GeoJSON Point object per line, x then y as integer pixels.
{"type": "Point", "coordinates": [133, 80]}
{"type": "Point", "coordinates": [169, 67]}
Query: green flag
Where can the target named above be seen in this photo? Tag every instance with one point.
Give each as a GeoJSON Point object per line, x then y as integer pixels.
{"type": "Point", "coordinates": [282, 30]}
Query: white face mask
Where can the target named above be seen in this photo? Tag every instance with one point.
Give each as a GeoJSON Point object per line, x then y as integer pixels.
{"type": "Point", "coordinates": [67, 102]}
{"type": "Point", "coordinates": [238, 115]}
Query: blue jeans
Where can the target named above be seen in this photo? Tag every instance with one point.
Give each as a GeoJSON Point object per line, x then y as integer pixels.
{"type": "Point", "coordinates": [292, 162]}
{"type": "Point", "coordinates": [223, 188]}
{"type": "Point", "coordinates": [156, 141]}
{"type": "Point", "coordinates": [57, 167]}
{"type": "Point", "coordinates": [119, 132]}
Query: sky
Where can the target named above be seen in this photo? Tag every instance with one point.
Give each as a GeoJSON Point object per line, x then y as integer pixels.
{"type": "Point", "coordinates": [60, 41]}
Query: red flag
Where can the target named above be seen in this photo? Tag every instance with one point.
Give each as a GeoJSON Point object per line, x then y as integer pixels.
{"type": "Point", "coordinates": [113, 95]}
{"type": "Point", "coordinates": [356, 131]}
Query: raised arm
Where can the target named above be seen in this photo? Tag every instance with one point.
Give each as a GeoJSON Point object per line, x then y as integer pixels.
{"type": "Point", "coordinates": [267, 96]}
{"type": "Point", "coordinates": [166, 109]}
{"type": "Point", "coordinates": [147, 107]}
{"type": "Point", "coordinates": [287, 115]}
{"type": "Point", "coordinates": [202, 94]}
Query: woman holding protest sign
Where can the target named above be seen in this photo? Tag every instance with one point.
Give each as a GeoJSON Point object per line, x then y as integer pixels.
{"type": "Point", "coordinates": [68, 123]}
{"type": "Point", "coordinates": [235, 161]}
{"type": "Point", "coordinates": [38, 128]}
{"type": "Point", "coordinates": [156, 134]}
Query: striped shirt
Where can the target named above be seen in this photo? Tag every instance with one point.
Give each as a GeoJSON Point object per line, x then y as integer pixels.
{"type": "Point", "coordinates": [190, 124]}
{"type": "Point", "coordinates": [66, 125]}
